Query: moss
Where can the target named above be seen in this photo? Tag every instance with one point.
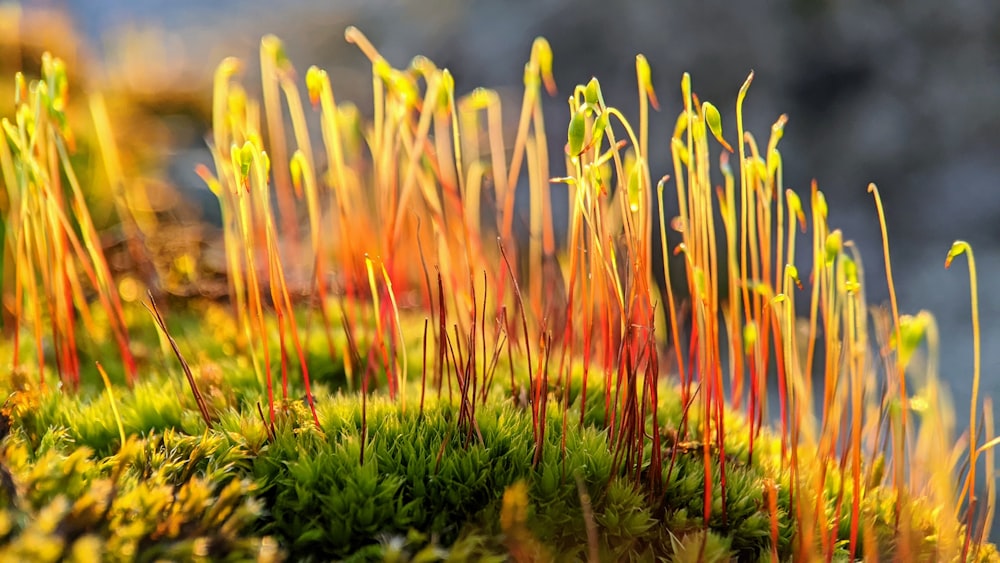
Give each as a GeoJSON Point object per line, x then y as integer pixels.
{"type": "Point", "coordinates": [155, 499]}
{"type": "Point", "coordinates": [292, 435]}
{"type": "Point", "coordinates": [424, 487]}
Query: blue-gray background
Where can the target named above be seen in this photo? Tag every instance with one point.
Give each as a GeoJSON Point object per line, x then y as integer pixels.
{"type": "Point", "coordinates": [905, 94]}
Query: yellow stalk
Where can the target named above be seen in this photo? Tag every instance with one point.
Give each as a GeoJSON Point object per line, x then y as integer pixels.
{"type": "Point", "coordinates": [220, 104]}
{"type": "Point", "coordinates": [456, 138]}
{"type": "Point", "coordinates": [271, 56]}
{"type": "Point", "coordinates": [399, 331]}
{"type": "Point", "coordinates": [494, 125]}
{"type": "Point", "coordinates": [469, 125]}
{"type": "Point", "coordinates": [536, 220]}
{"type": "Point", "coordinates": [750, 269]}
{"type": "Point", "coordinates": [520, 141]}
{"type": "Point", "coordinates": [345, 196]}
{"type": "Point", "coordinates": [775, 191]}
{"type": "Point", "coordinates": [857, 348]}
{"type": "Point", "coordinates": [423, 129]}
{"type": "Point", "coordinates": [474, 187]}
{"type": "Point", "coordinates": [819, 229]}
{"type": "Point", "coordinates": [991, 482]}
{"type": "Point", "coordinates": [354, 36]}
{"type": "Point", "coordinates": [332, 141]}
{"type": "Point", "coordinates": [626, 211]}
{"type": "Point", "coordinates": [299, 127]}
{"type": "Point", "coordinates": [744, 194]}
{"type": "Point", "coordinates": [542, 161]}
{"type": "Point", "coordinates": [374, 292]}
{"type": "Point", "coordinates": [114, 404]}
{"type": "Point", "coordinates": [727, 207]}
{"type": "Point", "coordinates": [449, 172]}
{"type": "Point", "coordinates": [671, 301]}
{"type": "Point", "coordinates": [898, 460]}
{"type": "Point", "coordinates": [795, 211]}
{"type": "Point", "coordinates": [960, 247]}
{"type": "Point", "coordinates": [787, 326]}
{"type": "Point", "coordinates": [133, 205]}
{"type": "Point", "coordinates": [248, 239]}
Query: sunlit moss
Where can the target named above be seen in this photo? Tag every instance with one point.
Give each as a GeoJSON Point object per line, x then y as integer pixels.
{"type": "Point", "coordinates": [439, 399]}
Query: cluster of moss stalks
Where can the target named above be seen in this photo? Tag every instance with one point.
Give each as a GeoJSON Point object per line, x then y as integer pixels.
{"type": "Point", "coordinates": [424, 491]}
{"type": "Point", "coordinates": [187, 451]}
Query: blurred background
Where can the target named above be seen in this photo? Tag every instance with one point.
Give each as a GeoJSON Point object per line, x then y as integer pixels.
{"type": "Point", "coordinates": [904, 94]}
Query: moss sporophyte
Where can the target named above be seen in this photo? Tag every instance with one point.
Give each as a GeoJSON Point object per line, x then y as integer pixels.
{"type": "Point", "coordinates": [577, 400]}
